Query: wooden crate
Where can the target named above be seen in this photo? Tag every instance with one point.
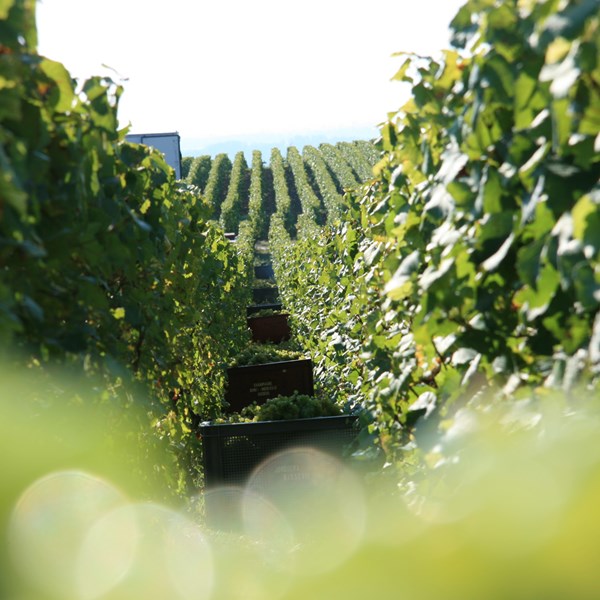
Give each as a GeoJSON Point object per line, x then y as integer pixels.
{"type": "Point", "coordinates": [258, 383]}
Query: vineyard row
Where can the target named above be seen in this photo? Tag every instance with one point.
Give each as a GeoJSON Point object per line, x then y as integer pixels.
{"type": "Point", "coordinates": [315, 181]}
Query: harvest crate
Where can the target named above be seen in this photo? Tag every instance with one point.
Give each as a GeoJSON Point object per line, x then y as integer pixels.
{"type": "Point", "coordinates": [254, 308]}
{"type": "Point", "coordinates": [270, 328]}
{"type": "Point", "coordinates": [265, 295]}
{"type": "Point", "coordinates": [258, 383]}
{"type": "Point", "coordinates": [232, 452]}
{"type": "Point", "coordinates": [264, 272]}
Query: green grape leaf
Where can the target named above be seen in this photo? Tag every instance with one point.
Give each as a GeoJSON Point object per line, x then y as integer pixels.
{"type": "Point", "coordinates": [534, 300]}
{"type": "Point", "coordinates": [63, 95]}
{"type": "Point", "coordinates": [5, 6]}
{"type": "Point", "coordinates": [400, 285]}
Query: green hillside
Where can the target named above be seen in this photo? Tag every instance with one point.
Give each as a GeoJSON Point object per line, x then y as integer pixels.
{"type": "Point", "coordinates": [324, 173]}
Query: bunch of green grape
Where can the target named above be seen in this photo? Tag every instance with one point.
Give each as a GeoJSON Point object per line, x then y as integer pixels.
{"type": "Point", "coordinates": [296, 406]}
{"type": "Point", "coordinates": [259, 354]}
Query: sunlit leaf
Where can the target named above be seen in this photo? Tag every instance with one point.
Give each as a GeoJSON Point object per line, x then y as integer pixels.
{"type": "Point", "coordinates": [562, 76]}
{"type": "Point", "coordinates": [535, 300]}
{"type": "Point", "coordinates": [5, 6]}
{"type": "Point", "coordinates": [400, 285]}
{"type": "Point", "coordinates": [61, 78]}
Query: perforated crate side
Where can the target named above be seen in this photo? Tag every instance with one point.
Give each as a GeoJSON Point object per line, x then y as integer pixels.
{"type": "Point", "coordinates": [232, 452]}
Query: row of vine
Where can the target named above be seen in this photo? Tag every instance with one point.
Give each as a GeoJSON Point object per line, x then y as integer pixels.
{"type": "Point", "coordinates": [469, 266]}
{"type": "Point", "coordinates": [108, 265]}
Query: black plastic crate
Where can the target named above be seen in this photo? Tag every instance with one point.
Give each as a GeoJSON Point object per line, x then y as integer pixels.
{"type": "Point", "coordinates": [264, 272]}
{"type": "Point", "coordinates": [265, 295]}
{"type": "Point", "coordinates": [233, 451]}
{"type": "Point", "coordinates": [243, 453]}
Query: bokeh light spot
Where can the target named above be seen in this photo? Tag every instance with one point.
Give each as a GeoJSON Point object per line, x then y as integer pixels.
{"type": "Point", "coordinates": [49, 524]}
{"type": "Point", "coordinates": [315, 504]}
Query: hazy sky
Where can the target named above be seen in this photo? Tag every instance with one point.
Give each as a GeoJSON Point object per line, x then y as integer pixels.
{"type": "Point", "coordinates": [222, 68]}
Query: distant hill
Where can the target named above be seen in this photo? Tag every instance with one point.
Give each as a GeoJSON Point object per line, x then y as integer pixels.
{"type": "Point", "coordinates": [264, 143]}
